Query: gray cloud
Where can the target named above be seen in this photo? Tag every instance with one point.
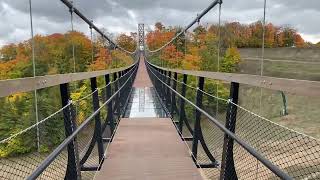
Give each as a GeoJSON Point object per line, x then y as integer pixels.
{"type": "Point", "coordinates": [123, 15]}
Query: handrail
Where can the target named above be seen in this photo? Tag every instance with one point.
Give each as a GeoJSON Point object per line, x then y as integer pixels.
{"type": "Point", "coordinates": [19, 85]}
{"type": "Point", "coordinates": [91, 25]}
{"type": "Point", "coordinates": [197, 19]}
{"type": "Point", "coordinates": [52, 156]}
{"type": "Point", "coordinates": [242, 143]}
{"type": "Point", "coordinates": [292, 86]}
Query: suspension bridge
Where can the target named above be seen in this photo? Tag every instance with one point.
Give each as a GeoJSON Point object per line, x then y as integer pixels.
{"type": "Point", "coordinates": [142, 124]}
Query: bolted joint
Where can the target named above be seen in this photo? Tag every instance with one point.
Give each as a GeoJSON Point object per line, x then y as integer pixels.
{"type": "Point", "coordinates": [71, 9]}
{"type": "Point", "coordinates": [198, 19]}
{"type": "Point", "coordinates": [70, 101]}
{"type": "Point", "coordinates": [91, 25]}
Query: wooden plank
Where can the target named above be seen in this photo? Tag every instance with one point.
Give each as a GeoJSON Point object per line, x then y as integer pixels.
{"type": "Point", "coordinates": [12, 86]}
{"type": "Point", "coordinates": [292, 86]}
{"type": "Point", "coordinates": [148, 148]}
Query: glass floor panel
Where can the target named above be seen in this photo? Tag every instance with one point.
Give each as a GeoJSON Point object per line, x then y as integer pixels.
{"type": "Point", "coordinates": [144, 102]}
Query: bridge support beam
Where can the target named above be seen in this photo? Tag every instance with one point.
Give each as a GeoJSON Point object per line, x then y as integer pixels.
{"type": "Point", "coordinates": [168, 93]}
{"type": "Point", "coordinates": [109, 106]}
{"type": "Point", "coordinates": [96, 106]}
{"type": "Point", "coordinates": [182, 103]}
{"type": "Point", "coordinates": [116, 100]}
{"type": "Point", "coordinates": [197, 130]}
{"type": "Point", "coordinates": [173, 96]}
{"type": "Point", "coordinates": [73, 167]}
{"type": "Point", "coordinates": [165, 88]}
{"type": "Point", "coordinates": [120, 93]}
{"type": "Point", "coordinates": [227, 165]}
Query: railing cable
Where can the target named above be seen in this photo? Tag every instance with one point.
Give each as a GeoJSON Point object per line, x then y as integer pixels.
{"type": "Point", "coordinates": [99, 88]}
{"type": "Point", "coordinates": [51, 157]}
{"type": "Point", "coordinates": [242, 143]}
{"type": "Point", "coordinates": [34, 125]}
{"type": "Point", "coordinates": [53, 114]}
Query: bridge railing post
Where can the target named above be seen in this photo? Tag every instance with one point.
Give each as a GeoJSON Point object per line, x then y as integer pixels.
{"type": "Point", "coordinates": [173, 97]}
{"type": "Point", "coordinates": [227, 165]}
{"type": "Point", "coordinates": [97, 131]}
{"type": "Point", "coordinates": [109, 106]}
{"type": "Point", "coordinates": [157, 84]}
{"type": "Point", "coordinates": [168, 93]}
{"type": "Point", "coordinates": [116, 102]}
{"type": "Point", "coordinates": [161, 85]}
{"type": "Point", "coordinates": [73, 167]}
{"type": "Point", "coordinates": [182, 102]}
{"type": "Point", "coordinates": [196, 131]}
{"type": "Point", "coordinates": [120, 93]}
{"type": "Point", "coordinates": [164, 87]}
{"type": "Point", "coordinates": [126, 90]}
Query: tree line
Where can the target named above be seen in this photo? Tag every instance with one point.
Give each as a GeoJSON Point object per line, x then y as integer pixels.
{"type": "Point", "coordinates": [53, 55]}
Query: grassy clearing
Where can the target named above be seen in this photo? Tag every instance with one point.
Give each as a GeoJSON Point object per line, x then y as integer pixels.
{"type": "Point", "coordinates": [303, 112]}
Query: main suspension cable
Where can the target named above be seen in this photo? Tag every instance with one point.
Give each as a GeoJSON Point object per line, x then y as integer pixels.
{"type": "Point", "coordinates": [90, 23]}
{"type": "Point", "coordinates": [197, 19]}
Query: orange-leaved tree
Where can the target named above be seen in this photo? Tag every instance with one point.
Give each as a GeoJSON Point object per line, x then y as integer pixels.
{"type": "Point", "coordinates": [102, 60]}
{"type": "Point", "coordinates": [171, 56]}
{"type": "Point", "coordinates": [129, 43]}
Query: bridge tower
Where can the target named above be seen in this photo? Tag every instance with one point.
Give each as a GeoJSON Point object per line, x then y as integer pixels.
{"type": "Point", "coordinates": [141, 36]}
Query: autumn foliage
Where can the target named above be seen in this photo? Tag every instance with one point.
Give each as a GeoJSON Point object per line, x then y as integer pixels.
{"type": "Point", "coordinates": [200, 52]}
{"type": "Point", "coordinates": [54, 54]}
{"type": "Point", "coordinates": [250, 35]}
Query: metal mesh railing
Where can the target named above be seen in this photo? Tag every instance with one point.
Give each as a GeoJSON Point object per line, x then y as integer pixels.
{"type": "Point", "coordinates": [20, 155]}
{"type": "Point", "coordinates": [293, 153]}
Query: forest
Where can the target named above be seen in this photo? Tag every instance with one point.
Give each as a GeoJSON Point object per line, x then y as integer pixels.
{"type": "Point", "coordinates": [53, 54]}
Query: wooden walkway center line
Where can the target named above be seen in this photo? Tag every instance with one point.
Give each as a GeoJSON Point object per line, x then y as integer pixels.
{"type": "Point", "coordinates": [148, 148]}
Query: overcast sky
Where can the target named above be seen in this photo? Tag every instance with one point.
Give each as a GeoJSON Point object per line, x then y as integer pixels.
{"type": "Point", "coordinates": [117, 16]}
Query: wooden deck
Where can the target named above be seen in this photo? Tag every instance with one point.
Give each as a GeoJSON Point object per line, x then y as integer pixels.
{"type": "Point", "coordinates": [142, 79]}
{"type": "Point", "coordinates": [148, 148]}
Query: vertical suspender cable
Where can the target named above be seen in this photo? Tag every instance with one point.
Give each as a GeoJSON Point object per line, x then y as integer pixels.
{"type": "Point", "coordinates": [185, 45]}
{"type": "Point", "coordinates": [109, 51]}
{"type": "Point", "coordinates": [92, 48]}
{"type": "Point", "coordinates": [116, 60]}
{"type": "Point", "coordinates": [263, 36]}
{"type": "Point", "coordinates": [261, 66]}
{"type": "Point", "coordinates": [176, 54]}
{"type": "Point", "coordinates": [218, 64]}
{"type": "Point", "coordinates": [72, 34]}
{"type": "Point", "coordinates": [262, 50]}
{"type": "Point", "coordinates": [111, 48]}
{"type": "Point", "coordinates": [34, 74]}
